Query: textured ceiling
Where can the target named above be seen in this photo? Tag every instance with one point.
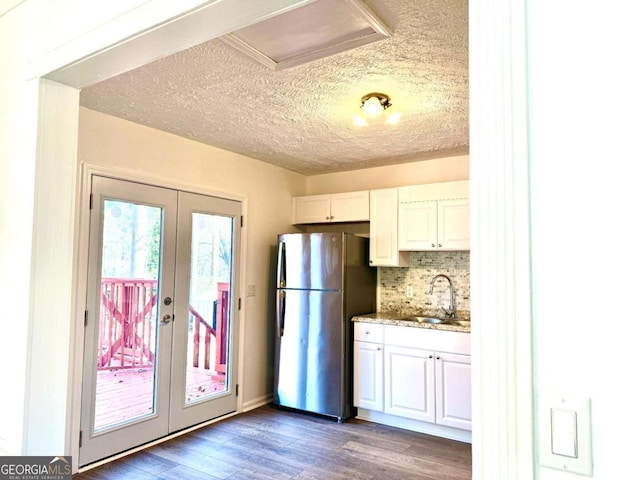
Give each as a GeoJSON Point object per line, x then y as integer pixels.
{"type": "Point", "coordinates": [301, 118]}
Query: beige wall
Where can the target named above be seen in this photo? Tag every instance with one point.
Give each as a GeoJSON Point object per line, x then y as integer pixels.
{"type": "Point", "coordinates": [112, 142]}
{"type": "Point", "coordinates": [109, 141]}
{"type": "Point", "coordinates": [428, 171]}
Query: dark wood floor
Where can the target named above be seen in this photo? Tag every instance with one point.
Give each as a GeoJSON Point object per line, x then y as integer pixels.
{"type": "Point", "coordinates": [268, 443]}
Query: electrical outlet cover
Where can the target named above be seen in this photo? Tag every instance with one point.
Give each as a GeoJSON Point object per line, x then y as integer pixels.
{"type": "Point", "coordinates": [565, 433]}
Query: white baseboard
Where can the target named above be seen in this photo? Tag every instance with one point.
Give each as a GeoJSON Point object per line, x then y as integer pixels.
{"type": "Point", "coordinates": [414, 425]}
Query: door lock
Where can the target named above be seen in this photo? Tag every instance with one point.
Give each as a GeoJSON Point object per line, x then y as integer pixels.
{"type": "Point", "coordinates": [167, 301]}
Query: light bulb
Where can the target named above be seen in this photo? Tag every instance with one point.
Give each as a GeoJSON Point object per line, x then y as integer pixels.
{"type": "Point", "coordinates": [392, 119]}
{"type": "Point", "coordinates": [359, 121]}
{"type": "Point", "coordinates": [372, 107]}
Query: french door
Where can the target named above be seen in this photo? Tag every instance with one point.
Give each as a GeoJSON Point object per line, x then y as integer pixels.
{"type": "Point", "coordinates": [160, 347]}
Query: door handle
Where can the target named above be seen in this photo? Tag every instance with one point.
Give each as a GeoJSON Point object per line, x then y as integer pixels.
{"type": "Point", "coordinates": [282, 265]}
{"type": "Point", "coordinates": [167, 319]}
{"type": "Point", "coordinates": [280, 313]}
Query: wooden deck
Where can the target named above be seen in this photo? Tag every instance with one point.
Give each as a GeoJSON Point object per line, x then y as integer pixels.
{"type": "Point", "coordinates": [127, 393]}
{"type": "Point", "coordinates": [126, 348]}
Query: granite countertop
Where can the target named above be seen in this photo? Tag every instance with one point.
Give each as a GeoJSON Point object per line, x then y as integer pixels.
{"type": "Point", "coordinates": [395, 318]}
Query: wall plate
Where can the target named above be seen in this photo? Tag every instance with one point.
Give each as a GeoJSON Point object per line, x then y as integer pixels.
{"type": "Point", "coordinates": [564, 442]}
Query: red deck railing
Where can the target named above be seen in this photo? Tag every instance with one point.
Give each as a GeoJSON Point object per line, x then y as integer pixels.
{"type": "Point", "coordinates": [127, 326]}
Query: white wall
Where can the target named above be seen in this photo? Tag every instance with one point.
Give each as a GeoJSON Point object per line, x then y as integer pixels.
{"type": "Point", "coordinates": [81, 42]}
{"type": "Point", "coordinates": [112, 142]}
{"type": "Point", "coordinates": [446, 169]}
{"type": "Point", "coordinates": [584, 99]}
{"type": "Point", "coordinates": [17, 141]}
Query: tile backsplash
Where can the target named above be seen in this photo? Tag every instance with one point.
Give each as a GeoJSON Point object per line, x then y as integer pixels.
{"type": "Point", "coordinates": [423, 266]}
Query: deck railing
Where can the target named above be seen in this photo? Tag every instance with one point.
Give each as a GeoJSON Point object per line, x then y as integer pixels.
{"type": "Point", "coordinates": [127, 334]}
{"type": "Point", "coordinates": [216, 329]}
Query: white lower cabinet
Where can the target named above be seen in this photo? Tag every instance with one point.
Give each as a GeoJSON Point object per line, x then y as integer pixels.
{"type": "Point", "coordinates": [453, 390]}
{"type": "Point", "coordinates": [367, 365]}
{"type": "Point", "coordinates": [409, 383]}
{"type": "Point", "coordinates": [420, 375]}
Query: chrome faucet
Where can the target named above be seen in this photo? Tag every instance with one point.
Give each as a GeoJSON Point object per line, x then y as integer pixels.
{"type": "Point", "coordinates": [451, 312]}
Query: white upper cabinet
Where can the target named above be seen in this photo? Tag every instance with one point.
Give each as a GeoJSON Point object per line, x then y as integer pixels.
{"type": "Point", "coordinates": [434, 217]}
{"type": "Point", "coordinates": [453, 224]}
{"type": "Point", "coordinates": [418, 229]}
{"type": "Point", "coordinates": [383, 229]}
{"type": "Point", "coordinates": [335, 207]}
{"type": "Point", "coordinates": [311, 209]}
{"type": "Point", "coordinates": [350, 206]}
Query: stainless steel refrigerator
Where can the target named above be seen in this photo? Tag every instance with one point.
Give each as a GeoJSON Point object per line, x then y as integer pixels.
{"type": "Point", "coordinates": [323, 280]}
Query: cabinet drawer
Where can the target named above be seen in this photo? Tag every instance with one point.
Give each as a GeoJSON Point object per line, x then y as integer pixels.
{"type": "Point", "coordinates": [428, 339]}
{"type": "Point", "coordinates": [368, 332]}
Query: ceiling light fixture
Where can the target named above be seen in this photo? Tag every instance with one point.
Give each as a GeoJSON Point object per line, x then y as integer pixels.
{"type": "Point", "coordinates": [374, 106]}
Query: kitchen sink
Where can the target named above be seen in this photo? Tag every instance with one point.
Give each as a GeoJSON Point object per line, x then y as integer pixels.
{"type": "Point", "coordinates": [421, 319]}
{"type": "Point", "coordinates": [435, 321]}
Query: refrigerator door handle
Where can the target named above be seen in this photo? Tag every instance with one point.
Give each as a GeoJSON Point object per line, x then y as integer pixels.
{"type": "Point", "coordinates": [282, 265]}
{"type": "Point", "coordinates": [281, 304]}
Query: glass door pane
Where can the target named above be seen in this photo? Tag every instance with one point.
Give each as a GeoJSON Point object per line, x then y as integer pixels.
{"type": "Point", "coordinates": [204, 366]}
{"type": "Point", "coordinates": [128, 322]}
{"type": "Point", "coordinates": [129, 317]}
{"type": "Point", "coordinates": [161, 327]}
{"type": "Point", "coordinates": [210, 277]}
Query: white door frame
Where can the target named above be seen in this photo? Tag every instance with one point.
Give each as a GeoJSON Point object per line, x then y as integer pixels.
{"type": "Point", "coordinates": [154, 423]}
{"type": "Point", "coordinates": [502, 339]}
{"type": "Point", "coordinates": [87, 170]}
{"type": "Point", "coordinates": [502, 349]}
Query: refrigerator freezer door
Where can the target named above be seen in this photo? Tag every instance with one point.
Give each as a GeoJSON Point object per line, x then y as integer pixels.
{"type": "Point", "coordinates": [309, 353]}
{"type": "Point", "coordinates": [310, 261]}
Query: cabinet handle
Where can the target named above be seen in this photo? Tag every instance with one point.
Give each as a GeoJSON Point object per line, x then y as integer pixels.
{"type": "Point", "coordinates": [437, 358]}
{"type": "Point", "coordinates": [433, 244]}
{"type": "Point", "coordinates": [366, 332]}
{"type": "Point", "coordinates": [326, 218]}
{"type": "Point", "coordinates": [379, 348]}
{"type": "Point", "coordinates": [332, 217]}
{"type": "Point", "coordinates": [430, 356]}
{"type": "Point", "coordinates": [440, 245]}
{"type": "Point", "coordinates": [370, 261]}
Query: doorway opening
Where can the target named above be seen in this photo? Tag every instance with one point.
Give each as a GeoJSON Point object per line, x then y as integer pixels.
{"type": "Point", "coordinates": [160, 334]}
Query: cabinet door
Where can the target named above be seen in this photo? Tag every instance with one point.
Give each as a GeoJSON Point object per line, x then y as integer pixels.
{"type": "Point", "coordinates": [453, 224]}
{"type": "Point", "coordinates": [453, 390]}
{"type": "Point", "coordinates": [409, 383]}
{"type": "Point", "coordinates": [418, 226]}
{"type": "Point", "coordinates": [311, 209]}
{"type": "Point", "coordinates": [367, 375]}
{"type": "Point", "coordinates": [350, 207]}
{"type": "Point", "coordinates": [383, 227]}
